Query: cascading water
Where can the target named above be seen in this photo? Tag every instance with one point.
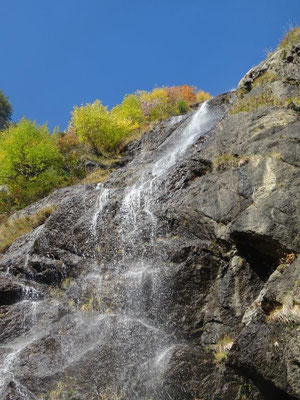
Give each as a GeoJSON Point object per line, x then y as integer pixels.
{"type": "Point", "coordinates": [123, 322]}
{"type": "Point", "coordinates": [141, 269]}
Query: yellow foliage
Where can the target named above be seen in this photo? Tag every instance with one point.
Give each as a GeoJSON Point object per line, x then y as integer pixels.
{"type": "Point", "coordinates": [202, 96]}
{"type": "Point", "coordinates": [104, 131]}
{"type": "Point", "coordinates": [107, 131]}
{"type": "Point", "coordinates": [129, 109]}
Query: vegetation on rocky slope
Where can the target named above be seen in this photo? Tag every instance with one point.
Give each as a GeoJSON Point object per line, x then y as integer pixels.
{"type": "Point", "coordinates": [275, 82]}
{"type": "Point", "coordinates": [291, 37]}
{"type": "Point", "coordinates": [13, 228]}
{"type": "Point", "coordinates": [34, 161]}
{"type": "Point", "coordinates": [222, 263]}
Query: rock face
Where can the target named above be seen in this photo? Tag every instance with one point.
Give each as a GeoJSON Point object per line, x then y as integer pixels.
{"type": "Point", "coordinates": [176, 278]}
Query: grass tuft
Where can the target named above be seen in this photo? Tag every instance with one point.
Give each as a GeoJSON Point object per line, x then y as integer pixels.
{"type": "Point", "coordinates": [12, 229]}
{"type": "Point", "coordinates": [252, 103]}
{"type": "Point", "coordinates": [96, 176]}
{"type": "Point", "coordinates": [227, 161]}
{"type": "Point", "coordinates": [291, 37]}
{"type": "Point", "coordinates": [267, 77]}
{"type": "Point", "coordinates": [222, 348]}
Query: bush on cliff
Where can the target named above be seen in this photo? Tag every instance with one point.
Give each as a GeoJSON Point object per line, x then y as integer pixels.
{"type": "Point", "coordinates": [107, 131]}
{"type": "Point", "coordinates": [99, 128]}
{"type": "Point", "coordinates": [73, 154]}
{"type": "Point", "coordinates": [30, 164]}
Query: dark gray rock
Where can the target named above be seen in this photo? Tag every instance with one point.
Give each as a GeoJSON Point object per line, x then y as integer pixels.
{"type": "Point", "coordinates": [178, 277]}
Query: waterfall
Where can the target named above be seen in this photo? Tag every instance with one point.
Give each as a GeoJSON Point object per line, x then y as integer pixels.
{"type": "Point", "coordinates": [123, 320]}
{"type": "Point", "coordinates": [141, 270]}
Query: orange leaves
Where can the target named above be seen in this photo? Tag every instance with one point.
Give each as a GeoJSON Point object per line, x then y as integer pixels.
{"type": "Point", "coordinates": [106, 130]}
{"type": "Point", "coordinates": [69, 142]}
{"type": "Point", "coordinates": [182, 93]}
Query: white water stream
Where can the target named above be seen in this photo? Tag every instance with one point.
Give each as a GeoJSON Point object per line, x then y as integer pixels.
{"type": "Point", "coordinates": [138, 267]}
{"type": "Point", "coordinates": [138, 232]}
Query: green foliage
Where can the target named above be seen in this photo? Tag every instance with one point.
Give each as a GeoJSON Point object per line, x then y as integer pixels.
{"type": "Point", "coordinates": [182, 107]}
{"type": "Point", "coordinates": [30, 164]}
{"type": "Point", "coordinates": [33, 162]}
{"type": "Point", "coordinates": [72, 152]}
{"type": "Point", "coordinates": [12, 229]}
{"type": "Point", "coordinates": [5, 111]}
{"type": "Point", "coordinates": [130, 110]}
{"type": "Point", "coordinates": [222, 348]}
{"type": "Point", "coordinates": [104, 131]}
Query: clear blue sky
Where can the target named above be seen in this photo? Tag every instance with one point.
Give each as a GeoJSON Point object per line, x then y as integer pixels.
{"type": "Point", "coordinates": [59, 53]}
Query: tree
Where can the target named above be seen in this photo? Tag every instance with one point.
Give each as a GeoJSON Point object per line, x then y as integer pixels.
{"type": "Point", "coordinates": [30, 163]}
{"type": "Point", "coordinates": [130, 109]}
{"type": "Point", "coordinates": [202, 96]}
{"type": "Point", "coordinates": [102, 130]}
{"type": "Point", "coordinates": [156, 105]}
{"type": "Point", "coordinates": [5, 111]}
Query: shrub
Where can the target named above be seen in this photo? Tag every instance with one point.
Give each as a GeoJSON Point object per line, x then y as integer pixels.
{"type": "Point", "coordinates": [30, 164]}
{"type": "Point", "coordinates": [72, 152]}
{"type": "Point", "coordinates": [222, 348]}
{"type": "Point", "coordinates": [182, 107]}
{"type": "Point", "coordinates": [12, 229]}
{"type": "Point", "coordinates": [202, 96]}
{"type": "Point", "coordinates": [184, 93]}
{"type": "Point", "coordinates": [130, 109]}
{"type": "Point", "coordinates": [157, 105]}
{"type": "Point", "coordinates": [104, 131]}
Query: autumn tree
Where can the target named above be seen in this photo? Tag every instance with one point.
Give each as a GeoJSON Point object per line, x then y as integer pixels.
{"type": "Point", "coordinates": [202, 96]}
{"type": "Point", "coordinates": [130, 109]}
{"type": "Point", "coordinates": [102, 130]}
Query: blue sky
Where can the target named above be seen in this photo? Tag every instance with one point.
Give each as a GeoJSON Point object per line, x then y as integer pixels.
{"type": "Point", "coordinates": [60, 53]}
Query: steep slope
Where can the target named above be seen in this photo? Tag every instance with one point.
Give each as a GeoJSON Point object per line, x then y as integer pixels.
{"type": "Point", "coordinates": [177, 277]}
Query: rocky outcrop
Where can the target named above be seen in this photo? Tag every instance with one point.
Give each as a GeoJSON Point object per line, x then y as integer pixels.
{"type": "Point", "coordinates": [176, 278]}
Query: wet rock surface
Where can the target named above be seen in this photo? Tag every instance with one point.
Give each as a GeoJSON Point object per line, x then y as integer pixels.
{"type": "Point", "coordinates": [177, 277]}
